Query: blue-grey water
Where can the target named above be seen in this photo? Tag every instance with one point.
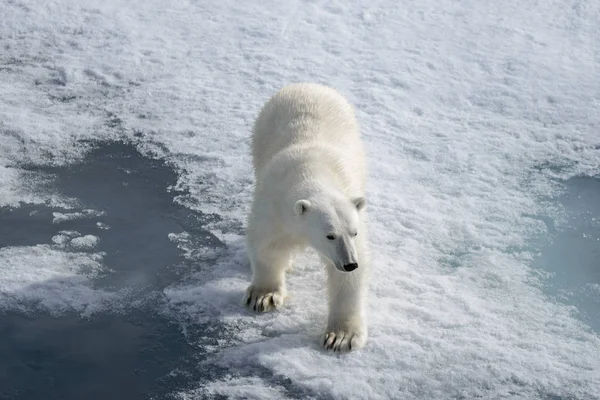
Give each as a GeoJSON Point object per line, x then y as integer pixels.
{"type": "Point", "coordinates": [141, 352]}
{"type": "Point", "coordinates": [125, 355]}
{"type": "Point", "coordinates": [572, 252]}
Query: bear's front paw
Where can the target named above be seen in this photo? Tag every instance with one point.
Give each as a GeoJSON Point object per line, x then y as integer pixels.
{"type": "Point", "coordinates": [343, 341]}
{"type": "Point", "coordinates": [262, 300]}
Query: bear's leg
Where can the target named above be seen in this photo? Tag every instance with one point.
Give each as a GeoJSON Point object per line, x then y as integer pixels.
{"type": "Point", "coordinates": [268, 290]}
{"type": "Point", "coordinates": [346, 328]}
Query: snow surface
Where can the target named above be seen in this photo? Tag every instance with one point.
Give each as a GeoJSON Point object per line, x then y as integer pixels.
{"type": "Point", "coordinates": [472, 113]}
{"type": "Point", "coordinates": [236, 388]}
{"type": "Point", "coordinates": [62, 217]}
{"type": "Point", "coordinates": [42, 277]}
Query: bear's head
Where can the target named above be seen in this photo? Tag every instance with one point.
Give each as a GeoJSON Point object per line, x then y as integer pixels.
{"type": "Point", "coordinates": [331, 225]}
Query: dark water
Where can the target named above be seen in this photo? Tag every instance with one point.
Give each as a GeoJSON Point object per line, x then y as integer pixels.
{"type": "Point", "coordinates": [137, 353]}
{"type": "Point", "coordinates": [573, 254]}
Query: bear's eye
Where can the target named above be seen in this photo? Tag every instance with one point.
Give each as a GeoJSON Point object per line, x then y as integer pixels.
{"type": "Point", "coordinates": [355, 233]}
{"type": "Point", "coordinates": [330, 237]}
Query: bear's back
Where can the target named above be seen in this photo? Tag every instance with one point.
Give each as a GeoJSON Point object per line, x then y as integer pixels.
{"type": "Point", "coordinates": [305, 114]}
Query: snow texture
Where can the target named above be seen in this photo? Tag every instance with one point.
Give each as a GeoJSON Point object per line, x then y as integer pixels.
{"type": "Point", "coordinates": [75, 240]}
{"type": "Point", "coordinates": [236, 389]}
{"type": "Point", "coordinates": [472, 112]}
{"type": "Point", "coordinates": [62, 217]}
{"type": "Point", "coordinates": [43, 278]}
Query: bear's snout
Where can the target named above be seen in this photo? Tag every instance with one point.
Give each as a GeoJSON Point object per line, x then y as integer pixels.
{"type": "Point", "coordinates": [350, 267]}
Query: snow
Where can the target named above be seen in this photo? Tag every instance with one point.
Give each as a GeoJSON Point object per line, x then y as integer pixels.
{"type": "Point", "coordinates": [236, 388]}
{"type": "Point", "coordinates": [102, 226]}
{"type": "Point", "coordinates": [62, 217]}
{"type": "Point", "coordinates": [472, 112]}
{"type": "Point", "coordinates": [64, 237]}
{"type": "Point", "coordinates": [44, 278]}
{"type": "Point", "coordinates": [85, 242]}
{"type": "Point", "coordinates": [18, 187]}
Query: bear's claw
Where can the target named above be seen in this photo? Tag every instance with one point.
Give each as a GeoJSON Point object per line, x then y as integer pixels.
{"type": "Point", "coordinates": [342, 341]}
{"type": "Point", "coordinates": [263, 300]}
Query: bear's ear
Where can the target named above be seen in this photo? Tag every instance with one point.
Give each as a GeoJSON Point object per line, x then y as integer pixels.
{"type": "Point", "coordinates": [359, 202]}
{"type": "Point", "coordinates": [301, 207]}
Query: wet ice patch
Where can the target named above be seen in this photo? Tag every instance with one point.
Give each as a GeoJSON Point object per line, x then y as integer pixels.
{"type": "Point", "coordinates": [102, 226]}
{"type": "Point", "coordinates": [43, 278]}
{"type": "Point", "coordinates": [65, 237]}
{"type": "Point", "coordinates": [236, 389]}
{"type": "Point", "coordinates": [571, 257]}
{"type": "Point", "coordinates": [23, 187]}
{"type": "Point", "coordinates": [62, 217]}
{"type": "Point", "coordinates": [197, 248]}
{"type": "Point", "coordinates": [74, 240]}
{"type": "Point", "coordinates": [85, 242]}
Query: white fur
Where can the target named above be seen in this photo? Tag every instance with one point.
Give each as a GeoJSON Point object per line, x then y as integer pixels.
{"type": "Point", "coordinates": [310, 172]}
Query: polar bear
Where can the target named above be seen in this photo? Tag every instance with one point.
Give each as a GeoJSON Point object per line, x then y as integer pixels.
{"type": "Point", "coordinates": [309, 165]}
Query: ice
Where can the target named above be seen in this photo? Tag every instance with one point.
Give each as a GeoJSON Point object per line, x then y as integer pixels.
{"type": "Point", "coordinates": [62, 217]}
{"type": "Point", "coordinates": [102, 226]}
{"type": "Point", "coordinates": [85, 242]}
{"type": "Point", "coordinates": [236, 388]}
{"type": "Point", "coordinates": [47, 279]}
{"type": "Point", "coordinates": [74, 238]}
{"type": "Point", "coordinates": [474, 114]}
{"type": "Point", "coordinates": [20, 186]}
{"type": "Point", "coordinates": [64, 237]}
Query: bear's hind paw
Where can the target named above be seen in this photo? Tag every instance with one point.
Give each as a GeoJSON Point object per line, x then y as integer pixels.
{"type": "Point", "coordinates": [263, 300]}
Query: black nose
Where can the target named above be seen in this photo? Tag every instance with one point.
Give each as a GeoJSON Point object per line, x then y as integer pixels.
{"type": "Point", "coordinates": [350, 267]}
